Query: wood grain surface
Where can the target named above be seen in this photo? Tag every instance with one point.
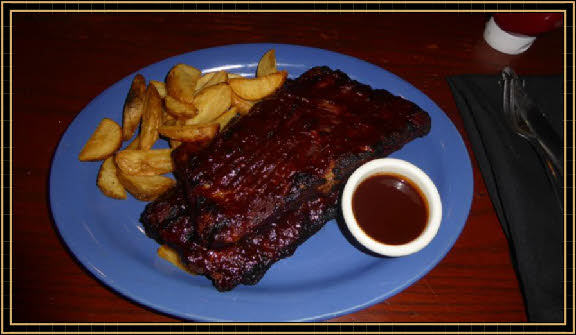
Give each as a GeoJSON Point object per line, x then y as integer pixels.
{"type": "Point", "coordinates": [61, 61]}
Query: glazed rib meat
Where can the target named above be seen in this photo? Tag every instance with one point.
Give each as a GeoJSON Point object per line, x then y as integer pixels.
{"type": "Point", "coordinates": [272, 179]}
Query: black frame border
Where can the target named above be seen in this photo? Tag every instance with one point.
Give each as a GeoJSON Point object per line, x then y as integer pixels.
{"type": "Point", "coordinates": [263, 328]}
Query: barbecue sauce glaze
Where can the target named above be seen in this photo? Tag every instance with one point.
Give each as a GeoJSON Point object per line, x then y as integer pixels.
{"type": "Point", "coordinates": [390, 209]}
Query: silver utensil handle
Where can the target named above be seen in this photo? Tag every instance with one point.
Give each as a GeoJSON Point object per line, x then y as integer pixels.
{"type": "Point", "coordinates": [540, 126]}
{"type": "Point", "coordinates": [554, 170]}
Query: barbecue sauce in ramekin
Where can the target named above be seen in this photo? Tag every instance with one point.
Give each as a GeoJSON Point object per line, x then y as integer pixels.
{"type": "Point", "coordinates": [390, 209]}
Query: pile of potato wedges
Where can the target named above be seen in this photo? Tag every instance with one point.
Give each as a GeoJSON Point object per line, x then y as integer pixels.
{"type": "Point", "coordinates": [188, 106]}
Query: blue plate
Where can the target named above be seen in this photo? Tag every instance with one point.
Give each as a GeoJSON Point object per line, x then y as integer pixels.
{"type": "Point", "coordinates": [325, 278]}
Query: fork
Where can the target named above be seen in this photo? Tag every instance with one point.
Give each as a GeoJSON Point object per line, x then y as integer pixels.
{"type": "Point", "coordinates": [528, 122]}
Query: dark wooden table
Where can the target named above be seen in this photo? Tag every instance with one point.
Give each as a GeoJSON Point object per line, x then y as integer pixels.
{"type": "Point", "coordinates": [61, 61]}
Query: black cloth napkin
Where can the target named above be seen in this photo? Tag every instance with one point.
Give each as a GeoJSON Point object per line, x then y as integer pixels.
{"type": "Point", "coordinates": [516, 179]}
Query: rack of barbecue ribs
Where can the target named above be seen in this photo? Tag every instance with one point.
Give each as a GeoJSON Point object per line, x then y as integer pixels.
{"type": "Point", "coordinates": [272, 179]}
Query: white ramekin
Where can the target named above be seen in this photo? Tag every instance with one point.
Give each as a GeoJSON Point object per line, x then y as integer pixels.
{"type": "Point", "coordinates": [399, 168]}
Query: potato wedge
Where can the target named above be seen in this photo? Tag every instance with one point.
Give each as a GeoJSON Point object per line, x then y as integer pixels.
{"type": "Point", "coordinates": [144, 162]}
{"type": "Point", "coordinates": [213, 79]}
{"type": "Point", "coordinates": [108, 181]}
{"type": "Point", "coordinates": [181, 82]}
{"type": "Point", "coordinates": [217, 78]}
{"type": "Point", "coordinates": [258, 88]}
{"type": "Point", "coordinates": [176, 122]}
{"type": "Point", "coordinates": [225, 118]}
{"type": "Point", "coordinates": [172, 256]}
{"type": "Point", "coordinates": [134, 145]}
{"type": "Point", "coordinates": [104, 142]}
{"type": "Point", "coordinates": [191, 133]}
{"type": "Point", "coordinates": [212, 102]}
{"type": "Point", "coordinates": [151, 118]}
{"type": "Point", "coordinates": [234, 75]}
{"type": "Point", "coordinates": [167, 117]}
{"type": "Point", "coordinates": [179, 109]}
{"type": "Point", "coordinates": [171, 122]}
{"type": "Point", "coordinates": [242, 105]}
{"type": "Point", "coordinates": [267, 64]}
{"type": "Point", "coordinates": [145, 188]}
{"type": "Point", "coordinates": [203, 80]}
{"type": "Point", "coordinates": [133, 106]}
{"type": "Point", "coordinates": [160, 87]}
{"type": "Point", "coordinates": [174, 144]}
